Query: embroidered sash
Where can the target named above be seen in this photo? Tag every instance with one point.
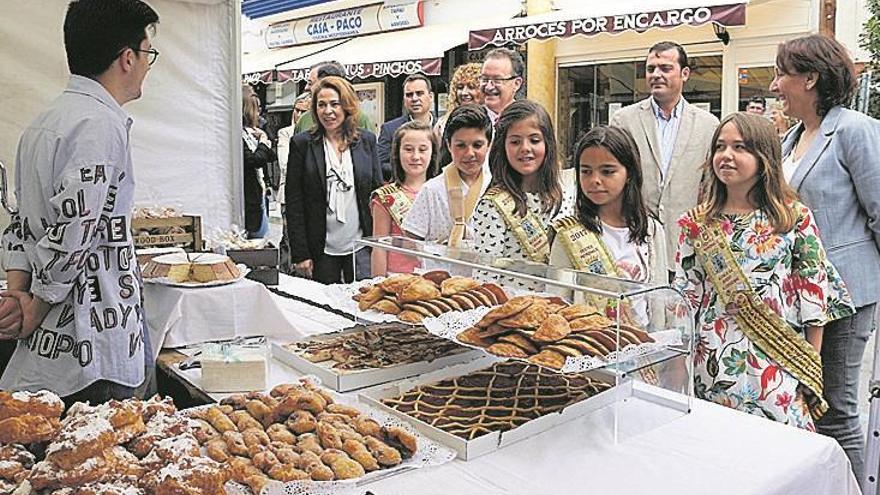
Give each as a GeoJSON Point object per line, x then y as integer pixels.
{"type": "Point", "coordinates": [395, 200]}
{"type": "Point", "coordinates": [762, 325]}
{"type": "Point", "coordinates": [533, 237]}
{"type": "Point", "coordinates": [588, 252]}
{"type": "Point", "coordinates": [461, 207]}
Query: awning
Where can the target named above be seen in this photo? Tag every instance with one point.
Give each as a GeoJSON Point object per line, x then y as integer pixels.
{"type": "Point", "coordinates": [394, 53]}
{"type": "Point", "coordinates": [613, 18]}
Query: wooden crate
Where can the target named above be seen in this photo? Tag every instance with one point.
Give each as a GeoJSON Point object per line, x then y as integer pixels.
{"type": "Point", "coordinates": [158, 228]}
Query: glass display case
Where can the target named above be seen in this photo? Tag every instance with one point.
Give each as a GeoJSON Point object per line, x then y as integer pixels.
{"type": "Point", "coordinates": [634, 340]}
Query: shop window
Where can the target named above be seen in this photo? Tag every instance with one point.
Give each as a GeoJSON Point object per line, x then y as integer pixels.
{"type": "Point", "coordinates": [590, 94]}
{"type": "Point", "coordinates": [755, 82]}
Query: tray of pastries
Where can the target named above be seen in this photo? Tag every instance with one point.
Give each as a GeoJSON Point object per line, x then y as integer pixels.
{"type": "Point", "coordinates": [366, 355]}
{"type": "Point", "coordinates": [547, 331]}
{"type": "Point", "coordinates": [192, 270]}
{"type": "Point", "coordinates": [132, 447]}
{"type": "Point", "coordinates": [297, 433]}
{"type": "Point", "coordinates": [473, 412]}
{"type": "Point", "coordinates": [412, 298]}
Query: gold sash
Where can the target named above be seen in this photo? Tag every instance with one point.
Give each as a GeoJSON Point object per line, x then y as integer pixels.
{"type": "Point", "coordinates": [461, 207]}
{"type": "Point", "coordinates": [762, 325]}
{"type": "Point", "coordinates": [529, 231]}
{"type": "Point", "coordinates": [588, 252]}
{"type": "Point", "coordinates": [395, 200]}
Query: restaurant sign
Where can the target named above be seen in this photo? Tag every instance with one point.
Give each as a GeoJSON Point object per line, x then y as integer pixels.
{"type": "Point", "coordinates": [426, 66]}
{"type": "Point", "coordinates": [725, 15]}
{"type": "Point", "coordinates": [348, 23]}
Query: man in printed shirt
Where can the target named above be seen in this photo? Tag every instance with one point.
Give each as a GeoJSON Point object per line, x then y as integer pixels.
{"type": "Point", "coordinates": [74, 299]}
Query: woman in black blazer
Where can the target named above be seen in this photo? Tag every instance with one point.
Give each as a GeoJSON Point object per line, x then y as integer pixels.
{"type": "Point", "coordinates": [331, 171]}
{"type": "Point", "coordinates": [258, 154]}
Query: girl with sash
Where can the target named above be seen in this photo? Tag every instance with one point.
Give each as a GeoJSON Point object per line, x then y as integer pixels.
{"type": "Point", "coordinates": [413, 158]}
{"type": "Point", "coordinates": [513, 218]}
{"type": "Point", "coordinates": [442, 211]}
{"type": "Point", "coordinates": [752, 266]}
{"type": "Point", "coordinates": [611, 232]}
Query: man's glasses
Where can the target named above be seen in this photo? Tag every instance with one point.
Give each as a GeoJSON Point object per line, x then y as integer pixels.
{"type": "Point", "coordinates": [495, 80]}
{"type": "Point", "coordinates": [153, 54]}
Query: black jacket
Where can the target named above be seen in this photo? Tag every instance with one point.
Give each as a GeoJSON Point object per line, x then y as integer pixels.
{"type": "Point", "coordinates": [306, 191]}
{"type": "Point", "coordinates": [253, 190]}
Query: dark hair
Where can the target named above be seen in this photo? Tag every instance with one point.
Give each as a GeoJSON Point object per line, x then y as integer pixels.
{"type": "Point", "coordinates": [760, 100]}
{"type": "Point", "coordinates": [620, 143]}
{"type": "Point", "coordinates": [97, 31]}
{"type": "Point", "coordinates": [504, 175]}
{"type": "Point", "coordinates": [418, 77]}
{"type": "Point", "coordinates": [771, 193]}
{"type": "Point", "coordinates": [348, 101]}
{"type": "Point", "coordinates": [671, 45]}
{"type": "Point", "coordinates": [468, 116]}
{"type": "Point", "coordinates": [826, 57]}
{"type": "Point", "coordinates": [413, 126]}
{"type": "Point", "coordinates": [516, 60]}
{"type": "Point", "coordinates": [330, 68]}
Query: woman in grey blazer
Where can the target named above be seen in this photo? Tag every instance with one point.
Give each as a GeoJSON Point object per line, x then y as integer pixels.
{"type": "Point", "coordinates": [831, 159]}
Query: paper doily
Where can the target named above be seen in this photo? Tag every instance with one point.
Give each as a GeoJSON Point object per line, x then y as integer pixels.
{"type": "Point", "coordinates": [449, 325]}
{"type": "Point", "coordinates": [428, 453]}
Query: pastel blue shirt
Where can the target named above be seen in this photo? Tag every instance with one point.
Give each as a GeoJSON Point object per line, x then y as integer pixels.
{"type": "Point", "coordinates": [667, 131]}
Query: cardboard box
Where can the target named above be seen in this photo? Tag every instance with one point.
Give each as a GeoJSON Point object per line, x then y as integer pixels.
{"type": "Point", "coordinates": [263, 263]}
{"type": "Point", "coordinates": [490, 442]}
{"type": "Point", "coordinates": [346, 380]}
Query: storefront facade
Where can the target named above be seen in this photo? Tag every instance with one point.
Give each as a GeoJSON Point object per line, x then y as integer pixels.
{"type": "Point", "coordinates": [377, 60]}
{"type": "Point", "coordinates": [604, 70]}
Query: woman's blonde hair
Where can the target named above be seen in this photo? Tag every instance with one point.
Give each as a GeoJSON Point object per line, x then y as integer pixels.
{"type": "Point", "coordinates": [771, 193]}
{"type": "Point", "coordinates": [469, 75]}
{"type": "Point", "coordinates": [250, 107]}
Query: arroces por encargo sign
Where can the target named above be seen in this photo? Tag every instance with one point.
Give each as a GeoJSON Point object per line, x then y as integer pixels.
{"type": "Point", "coordinates": [348, 23]}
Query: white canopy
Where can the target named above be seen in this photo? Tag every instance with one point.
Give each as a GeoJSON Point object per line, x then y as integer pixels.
{"type": "Point", "coordinates": [186, 138]}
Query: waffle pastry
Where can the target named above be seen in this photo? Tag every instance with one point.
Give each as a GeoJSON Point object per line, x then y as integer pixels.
{"type": "Point", "coordinates": [376, 346]}
{"type": "Point", "coordinates": [545, 332]}
{"type": "Point", "coordinates": [499, 398]}
{"type": "Point", "coordinates": [413, 298]}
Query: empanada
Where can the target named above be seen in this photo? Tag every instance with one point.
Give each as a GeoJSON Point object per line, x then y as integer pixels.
{"type": "Point", "coordinates": [371, 297]}
{"type": "Point", "coordinates": [591, 322]}
{"type": "Point", "coordinates": [386, 306]}
{"type": "Point", "coordinates": [473, 336]}
{"type": "Point", "coordinates": [454, 285]}
{"type": "Point", "coordinates": [504, 349]}
{"type": "Point", "coordinates": [420, 290]}
{"type": "Point", "coordinates": [511, 307]}
{"type": "Point", "coordinates": [554, 328]}
{"type": "Point", "coordinates": [520, 341]}
{"type": "Point", "coordinates": [531, 317]}
{"type": "Point", "coordinates": [397, 283]}
{"type": "Point", "coordinates": [576, 311]}
{"type": "Point", "coordinates": [549, 358]}
{"type": "Point", "coordinates": [410, 316]}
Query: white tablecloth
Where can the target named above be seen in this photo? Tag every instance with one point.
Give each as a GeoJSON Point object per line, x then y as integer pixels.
{"type": "Point", "coordinates": [713, 450]}
{"type": "Point", "coordinates": [177, 316]}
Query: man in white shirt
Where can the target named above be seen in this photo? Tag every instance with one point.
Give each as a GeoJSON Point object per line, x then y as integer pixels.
{"type": "Point", "coordinates": [69, 255]}
{"type": "Point", "coordinates": [673, 137]}
{"type": "Point", "coordinates": [500, 79]}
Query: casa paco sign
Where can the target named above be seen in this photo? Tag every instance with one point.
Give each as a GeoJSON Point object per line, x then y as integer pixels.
{"type": "Point", "coordinates": [348, 23]}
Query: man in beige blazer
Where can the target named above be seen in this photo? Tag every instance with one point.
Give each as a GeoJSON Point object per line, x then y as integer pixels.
{"type": "Point", "coordinates": [673, 138]}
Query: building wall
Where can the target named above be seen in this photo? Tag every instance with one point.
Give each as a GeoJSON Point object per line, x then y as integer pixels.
{"type": "Point", "coordinates": [768, 22]}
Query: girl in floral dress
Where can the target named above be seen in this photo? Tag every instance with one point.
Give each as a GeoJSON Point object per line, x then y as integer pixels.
{"type": "Point", "coordinates": [753, 268]}
{"type": "Point", "coordinates": [413, 161]}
